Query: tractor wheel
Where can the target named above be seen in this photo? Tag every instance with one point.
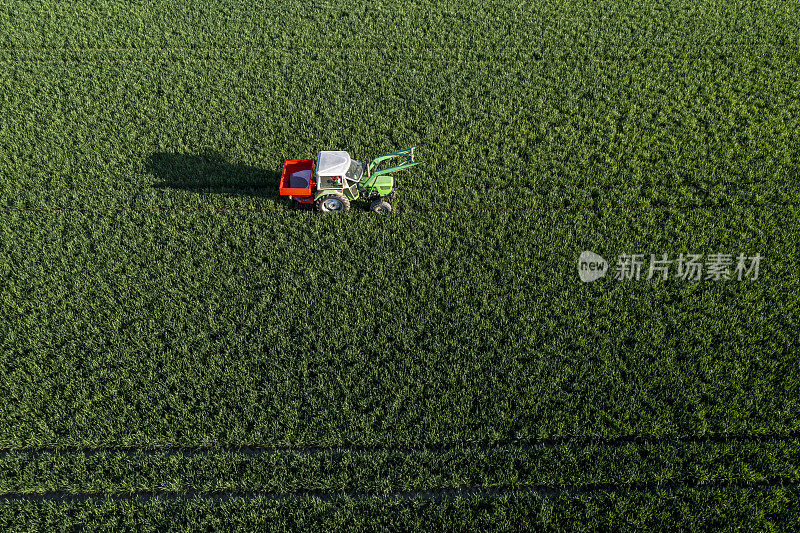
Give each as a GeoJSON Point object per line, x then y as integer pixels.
{"type": "Point", "coordinates": [381, 207]}
{"type": "Point", "coordinates": [333, 203]}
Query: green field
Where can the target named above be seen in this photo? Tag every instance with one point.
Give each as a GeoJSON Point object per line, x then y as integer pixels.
{"type": "Point", "coordinates": [181, 348]}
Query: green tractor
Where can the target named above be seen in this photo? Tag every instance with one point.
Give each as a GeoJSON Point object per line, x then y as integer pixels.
{"type": "Point", "coordinates": [335, 179]}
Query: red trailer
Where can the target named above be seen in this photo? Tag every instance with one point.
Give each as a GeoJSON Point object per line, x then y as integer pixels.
{"type": "Point", "coordinates": [305, 192]}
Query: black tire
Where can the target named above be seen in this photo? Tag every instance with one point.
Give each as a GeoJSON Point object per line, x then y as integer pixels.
{"type": "Point", "coordinates": [381, 207]}
{"type": "Point", "coordinates": [332, 203]}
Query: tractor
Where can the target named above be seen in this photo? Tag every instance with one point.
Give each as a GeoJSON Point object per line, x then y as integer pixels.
{"type": "Point", "coordinates": [335, 179]}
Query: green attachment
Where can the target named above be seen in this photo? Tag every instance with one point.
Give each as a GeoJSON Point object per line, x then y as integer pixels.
{"type": "Point", "coordinates": [406, 162]}
{"type": "Point", "coordinates": [370, 181]}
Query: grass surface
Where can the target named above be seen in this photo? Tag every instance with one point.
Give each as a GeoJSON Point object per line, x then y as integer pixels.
{"type": "Point", "coordinates": [180, 346]}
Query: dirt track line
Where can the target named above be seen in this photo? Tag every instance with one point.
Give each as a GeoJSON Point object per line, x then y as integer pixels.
{"type": "Point", "coordinates": [439, 494]}
{"type": "Point", "coordinates": [218, 211]}
{"type": "Point", "coordinates": [435, 448]}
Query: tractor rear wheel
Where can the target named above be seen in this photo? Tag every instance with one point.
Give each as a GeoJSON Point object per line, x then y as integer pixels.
{"type": "Point", "coordinates": [333, 203]}
{"type": "Point", "coordinates": [381, 207]}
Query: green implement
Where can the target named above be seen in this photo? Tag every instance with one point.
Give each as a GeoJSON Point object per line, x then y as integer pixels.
{"type": "Point", "coordinates": [377, 182]}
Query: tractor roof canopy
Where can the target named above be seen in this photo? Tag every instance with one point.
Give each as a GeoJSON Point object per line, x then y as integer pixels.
{"type": "Point", "coordinates": [332, 163]}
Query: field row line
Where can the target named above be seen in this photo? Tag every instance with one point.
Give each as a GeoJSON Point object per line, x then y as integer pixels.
{"type": "Point", "coordinates": [312, 6]}
{"type": "Point", "coordinates": [308, 56]}
{"type": "Point", "coordinates": [274, 182]}
{"type": "Point", "coordinates": [414, 67]}
{"type": "Point", "coordinates": [431, 53]}
{"type": "Point", "coordinates": [352, 61]}
{"type": "Point", "coordinates": [438, 494]}
{"type": "Point", "coordinates": [441, 448]}
{"type": "Point", "coordinates": [430, 49]}
{"type": "Point", "coordinates": [221, 188]}
{"type": "Point", "coordinates": [218, 211]}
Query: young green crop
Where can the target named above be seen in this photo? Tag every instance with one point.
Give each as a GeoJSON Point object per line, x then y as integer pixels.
{"type": "Point", "coordinates": [157, 294]}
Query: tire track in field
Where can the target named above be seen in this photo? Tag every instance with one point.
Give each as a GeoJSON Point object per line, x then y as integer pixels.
{"type": "Point", "coordinates": [434, 448]}
{"type": "Point", "coordinates": [440, 494]}
{"type": "Point", "coordinates": [506, 195]}
{"type": "Point", "coordinates": [405, 212]}
{"type": "Point", "coordinates": [269, 190]}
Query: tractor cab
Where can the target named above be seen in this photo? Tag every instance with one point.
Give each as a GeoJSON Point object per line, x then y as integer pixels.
{"type": "Point", "coordinates": [335, 169]}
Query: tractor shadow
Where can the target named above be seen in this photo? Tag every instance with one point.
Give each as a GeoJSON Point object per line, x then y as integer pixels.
{"type": "Point", "coordinates": [210, 172]}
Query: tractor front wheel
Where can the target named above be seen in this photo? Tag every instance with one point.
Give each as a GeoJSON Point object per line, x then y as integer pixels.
{"type": "Point", "coordinates": [381, 207]}
{"type": "Point", "coordinates": [333, 203]}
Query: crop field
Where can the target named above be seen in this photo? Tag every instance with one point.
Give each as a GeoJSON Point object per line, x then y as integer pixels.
{"type": "Point", "coordinates": [182, 348]}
